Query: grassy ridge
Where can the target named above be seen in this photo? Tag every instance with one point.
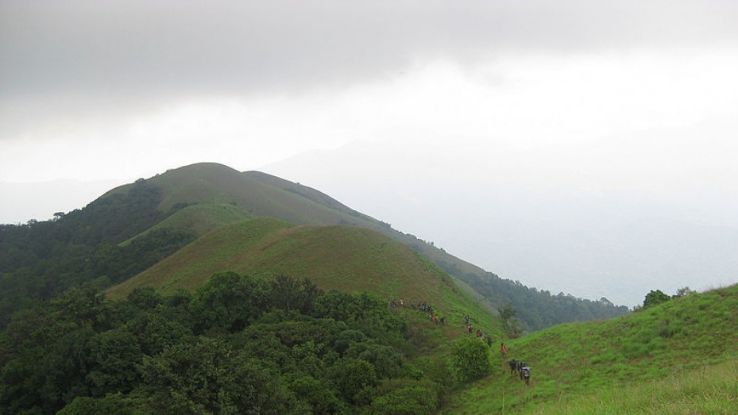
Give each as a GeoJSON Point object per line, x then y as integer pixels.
{"type": "Point", "coordinates": [348, 259]}
{"type": "Point", "coordinates": [262, 195]}
{"type": "Point", "coordinates": [577, 359]}
{"type": "Point", "coordinates": [193, 265]}
{"type": "Point", "coordinates": [256, 193]}
{"type": "Point", "coordinates": [199, 219]}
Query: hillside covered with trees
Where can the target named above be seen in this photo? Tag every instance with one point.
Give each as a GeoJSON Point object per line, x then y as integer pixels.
{"type": "Point", "coordinates": [133, 227]}
{"type": "Point", "coordinates": [237, 345]}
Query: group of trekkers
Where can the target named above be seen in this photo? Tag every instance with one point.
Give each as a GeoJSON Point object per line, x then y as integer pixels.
{"type": "Point", "coordinates": [522, 369]}
{"type": "Point", "coordinates": [519, 366]}
{"type": "Point", "coordinates": [421, 306]}
{"type": "Point", "coordinates": [478, 333]}
{"type": "Point", "coordinates": [516, 366]}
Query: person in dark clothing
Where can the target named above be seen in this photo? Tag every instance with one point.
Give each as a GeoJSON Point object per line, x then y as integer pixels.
{"type": "Point", "coordinates": [525, 374]}
{"type": "Point", "coordinates": [513, 366]}
{"type": "Point", "coordinates": [521, 365]}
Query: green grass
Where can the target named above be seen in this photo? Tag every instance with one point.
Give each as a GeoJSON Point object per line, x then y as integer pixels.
{"type": "Point", "coordinates": [344, 258]}
{"type": "Point", "coordinates": [706, 390]}
{"type": "Point", "coordinates": [592, 359]}
{"type": "Point", "coordinates": [200, 219]}
{"type": "Point", "coordinates": [256, 193]}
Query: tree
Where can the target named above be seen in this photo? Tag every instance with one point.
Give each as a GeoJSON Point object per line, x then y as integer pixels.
{"type": "Point", "coordinates": [353, 377]}
{"type": "Point", "coordinates": [230, 301]}
{"type": "Point", "coordinates": [289, 293]}
{"type": "Point", "coordinates": [684, 291]}
{"type": "Point", "coordinates": [655, 297]}
{"type": "Point", "coordinates": [509, 322]}
{"type": "Point", "coordinates": [207, 376]}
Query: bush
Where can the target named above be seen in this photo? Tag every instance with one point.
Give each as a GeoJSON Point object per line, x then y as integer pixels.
{"type": "Point", "coordinates": [406, 397]}
{"type": "Point", "coordinates": [470, 359]}
{"type": "Point", "coordinates": [655, 297]}
{"type": "Point", "coordinates": [112, 404]}
{"type": "Point", "coordinates": [353, 377]}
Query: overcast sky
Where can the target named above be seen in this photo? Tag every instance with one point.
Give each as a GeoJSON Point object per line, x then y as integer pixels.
{"type": "Point", "coordinates": [578, 146]}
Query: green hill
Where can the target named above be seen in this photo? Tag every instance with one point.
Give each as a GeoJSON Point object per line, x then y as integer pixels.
{"type": "Point", "coordinates": [259, 194]}
{"type": "Point", "coordinates": [347, 259]}
{"type": "Point", "coordinates": [653, 354]}
{"type": "Point", "coordinates": [199, 219]}
{"type": "Point", "coordinates": [256, 193]}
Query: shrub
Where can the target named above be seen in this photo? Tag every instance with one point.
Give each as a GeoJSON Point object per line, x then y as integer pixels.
{"type": "Point", "coordinates": [406, 397]}
{"type": "Point", "coordinates": [655, 297]}
{"type": "Point", "coordinates": [470, 359]}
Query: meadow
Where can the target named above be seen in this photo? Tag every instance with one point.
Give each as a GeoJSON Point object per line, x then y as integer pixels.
{"type": "Point", "coordinates": [632, 364]}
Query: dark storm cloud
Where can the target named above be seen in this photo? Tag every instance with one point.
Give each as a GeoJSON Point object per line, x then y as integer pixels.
{"type": "Point", "coordinates": [145, 48]}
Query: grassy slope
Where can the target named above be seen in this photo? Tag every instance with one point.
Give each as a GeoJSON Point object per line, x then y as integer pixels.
{"type": "Point", "coordinates": [576, 366]}
{"type": "Point", "coordinates": [200, 218]}
{"type": "Point", "coordinates": [261, 194]}
{"type": "Point", "coordinates": [345, 258]}
{"type": "Point", "coordinates": [256, 193]}
{"type": "Point", "coordinates": [707, 390]}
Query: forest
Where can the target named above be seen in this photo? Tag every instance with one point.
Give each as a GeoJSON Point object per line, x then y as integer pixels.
{"type": "Point", "coordinates": [42, 259]}
{"type": "Point", "coordinates": [237, 345]}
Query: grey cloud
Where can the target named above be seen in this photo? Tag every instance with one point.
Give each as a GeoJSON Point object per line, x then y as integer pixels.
{"type": "Point", "coordinates": [144, 48]}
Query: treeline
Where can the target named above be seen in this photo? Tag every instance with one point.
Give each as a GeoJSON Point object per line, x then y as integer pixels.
{"type": "Point", "coordinates": [236, 345]}
{"type": "Point", "coordinates": [536, 309]}
{"type": "Point", "coordinates": [40, 260]}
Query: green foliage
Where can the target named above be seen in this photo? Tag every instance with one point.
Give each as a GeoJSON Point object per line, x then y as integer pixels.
{"type": "Point", "coordinates": [229, 302]}
{"type": "Point", "coordinates": [41, 260]}
{"type": "Point", "coordinates": [207, 376]}
{"type": "Point", "coordinates": [509, 322]}
{"type": "Point", "coordinates": [234, 346]}
{"type": "Point", "coordinates": [684, 291]}
{"type": "Point", "coordinates": [115, 404]}
{"type": "Point", "coordinates": [405, 397]}
{"type": "Point", "coordinates": [354, 379]}
{"type": "Point", "coordinates": [470, 359]}
{"type": "Point", "coordinates": [320, 397]}
{"type": "Point", "coordinates": [655, 297]}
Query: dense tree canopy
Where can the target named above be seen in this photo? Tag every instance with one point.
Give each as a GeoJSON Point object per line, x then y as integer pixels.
{"type": "Point", "coordinates": [233, 346]}
{"type": "Point", "coordinates": [40, 260]}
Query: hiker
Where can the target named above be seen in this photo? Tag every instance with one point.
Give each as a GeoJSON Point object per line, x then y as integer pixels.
{"type": "Point", "coordinates": [525, 374]}
{"type": "Point", "coordinates": [466, 319]}
{"type": "Point", "coordinates": [521, 365]}
{"type": "Point", "coordinates": [503, 349]}
{"type": "Point", "coordinates": [479, 333]}
{"type": "Point", "coordinates": [513, 364]}
{"type": "Point", "coordinates": [469, 328]}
